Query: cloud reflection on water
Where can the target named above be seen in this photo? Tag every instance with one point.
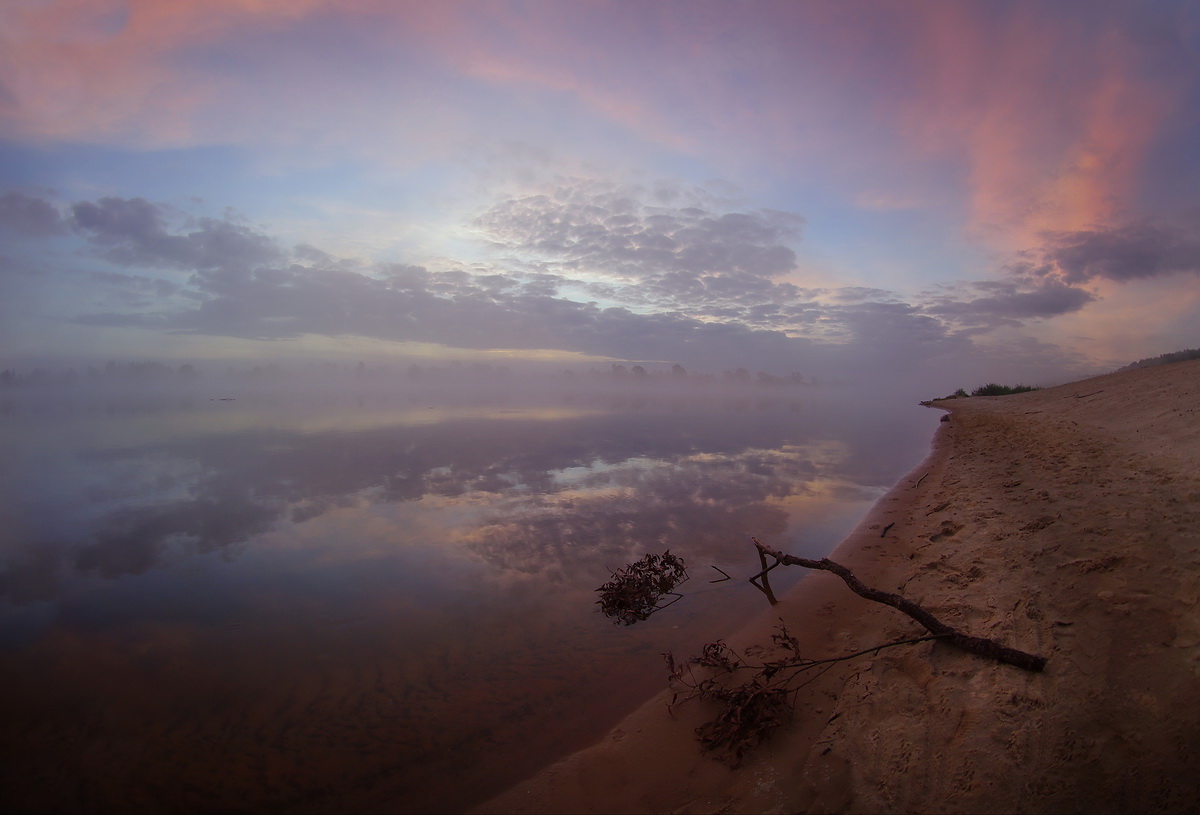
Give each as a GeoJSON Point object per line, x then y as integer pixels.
{"type": "Point", "coordinates": [534, 490]}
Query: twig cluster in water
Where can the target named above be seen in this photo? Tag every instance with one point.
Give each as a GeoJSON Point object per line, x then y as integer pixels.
{"type": "Point", "coordinates": [633, 592]}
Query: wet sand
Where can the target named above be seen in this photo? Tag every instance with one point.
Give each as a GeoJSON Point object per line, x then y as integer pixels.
{"type": "Point", "coordinates": [1064, 522]}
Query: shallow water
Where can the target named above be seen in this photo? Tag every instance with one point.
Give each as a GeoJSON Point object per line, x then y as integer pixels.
{"type": "Point", "coordinates": [357, 601]}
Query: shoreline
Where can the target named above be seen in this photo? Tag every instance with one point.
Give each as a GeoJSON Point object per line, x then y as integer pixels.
{"type": "Point", "coordinates": [620, 758]}
{"type": "Point", "coordinates": [1058, 521]}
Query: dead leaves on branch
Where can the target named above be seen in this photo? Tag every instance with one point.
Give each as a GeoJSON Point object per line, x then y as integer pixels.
{"type": "Point", "coordinates": [748, 715]}
{"type": "Point", "coordinates": [634, 592]}
{"type": "Point", "coordinates": [755, 692]}
{"type": "Point", "coordinates": [748, 712]}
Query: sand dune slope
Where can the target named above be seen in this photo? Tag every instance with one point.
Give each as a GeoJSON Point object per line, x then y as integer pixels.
{"type": "Point", "coordinates": [1064, 522]}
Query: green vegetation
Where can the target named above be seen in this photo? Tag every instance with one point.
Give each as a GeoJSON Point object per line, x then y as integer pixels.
{"type": "Point", "coordinates": [992, 389]}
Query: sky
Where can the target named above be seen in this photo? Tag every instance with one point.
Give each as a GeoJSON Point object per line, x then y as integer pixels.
{"type": "Point", "coordinates": [941, 192]}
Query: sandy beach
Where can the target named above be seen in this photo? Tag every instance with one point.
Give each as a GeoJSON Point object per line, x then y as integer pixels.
{"type": "Point", "coordinates": [1063, 522]}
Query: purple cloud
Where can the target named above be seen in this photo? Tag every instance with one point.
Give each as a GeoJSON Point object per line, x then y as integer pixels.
{"type": "Point", "coordinates": [135, 232]}
{"type": "Point", "coordinates": [1141, 250]}
{"type": "Point", "coordinates": [27, 215]}
{"type": "Point", "coordinates": [1010, 302]}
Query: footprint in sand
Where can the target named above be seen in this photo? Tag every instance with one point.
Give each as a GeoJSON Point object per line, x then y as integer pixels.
{"type": "Point", "coordinates": [948, 529]}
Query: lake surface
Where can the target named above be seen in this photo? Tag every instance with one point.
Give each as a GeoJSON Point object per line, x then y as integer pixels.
{"type": "Point", "coordinates": [379, 601]}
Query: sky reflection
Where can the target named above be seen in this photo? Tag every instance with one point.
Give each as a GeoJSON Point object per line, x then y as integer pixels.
{"type": "Point", "coordinates": [420, 577]}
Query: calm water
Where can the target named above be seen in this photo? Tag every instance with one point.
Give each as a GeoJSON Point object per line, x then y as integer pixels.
{"type": "Point", "coordinates": [378, 601]}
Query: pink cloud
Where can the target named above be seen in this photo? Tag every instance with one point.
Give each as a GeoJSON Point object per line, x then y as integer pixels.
{"type": "Point", "coordinates": [82, 69]}
{"type": "Point", "coordinates": [1052, 118]}
{"type": "Point", "coordinates": [1022, 117]}
{"type": "Point", "coordinates": [138, 72]}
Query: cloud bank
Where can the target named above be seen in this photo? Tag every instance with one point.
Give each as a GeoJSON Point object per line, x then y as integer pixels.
{"type": "Point", "coordinates": [1130, 252]}
{"type": "Point", "coordinates": [625, 272]}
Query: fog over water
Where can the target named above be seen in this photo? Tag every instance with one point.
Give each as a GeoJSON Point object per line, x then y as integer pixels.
{"type": "Point", "coordinates": [223, 598]}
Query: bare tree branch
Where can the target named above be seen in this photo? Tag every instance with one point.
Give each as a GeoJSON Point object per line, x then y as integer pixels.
{"type": "Point", "coordinates": [980, 646]}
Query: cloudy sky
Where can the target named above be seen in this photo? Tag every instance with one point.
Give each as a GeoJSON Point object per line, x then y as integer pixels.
{"type": "Point", "coordinates": [963, 191]}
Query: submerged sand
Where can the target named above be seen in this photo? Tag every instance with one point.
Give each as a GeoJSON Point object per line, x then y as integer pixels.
{"type": "Point", "coordinates": [1064, 522]}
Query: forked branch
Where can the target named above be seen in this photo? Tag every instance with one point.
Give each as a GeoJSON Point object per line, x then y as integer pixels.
{"type": "Point", "coordinates": [980, 646]}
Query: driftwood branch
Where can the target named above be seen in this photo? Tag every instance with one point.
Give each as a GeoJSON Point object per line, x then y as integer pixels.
{"type": "Point", "coordinates": [980, 646]}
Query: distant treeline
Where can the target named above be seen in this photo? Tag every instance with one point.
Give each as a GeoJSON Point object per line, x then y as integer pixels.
{"type": "Point", "coordinates": [1164, 359]}
{"type": "Point", "coordinates": [332, 373]}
